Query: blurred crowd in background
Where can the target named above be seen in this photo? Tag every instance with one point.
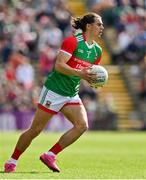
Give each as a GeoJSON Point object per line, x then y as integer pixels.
{"type": "Point", "coordinates": [30, 35]}
{"type": "Point", "coordinates": [125, 22]}
{"type": "Point", "coordinates": [31, 32]}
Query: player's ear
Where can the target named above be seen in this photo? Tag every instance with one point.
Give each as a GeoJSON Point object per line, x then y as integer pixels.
{"type": "Point", "coordinates": [88, 26]}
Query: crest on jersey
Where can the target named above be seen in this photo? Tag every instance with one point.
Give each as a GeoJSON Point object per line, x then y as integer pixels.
{"type": "Point", "coordinates": [48, 103]}
{"type": "Point", "coordinates": [96, 57]}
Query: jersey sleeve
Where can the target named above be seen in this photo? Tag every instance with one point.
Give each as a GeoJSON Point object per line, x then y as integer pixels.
{"type": "Point", "coordinates": [97, 62]}
{"type": "Point", "coordinates": [69, 45]}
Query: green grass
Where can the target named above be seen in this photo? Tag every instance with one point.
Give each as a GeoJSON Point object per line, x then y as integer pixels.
{"type": "Point", "coordinates": [96, 155]}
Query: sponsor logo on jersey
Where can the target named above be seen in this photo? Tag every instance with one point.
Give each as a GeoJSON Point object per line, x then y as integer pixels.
{"type": "Point", "coordinates": [78, 63]}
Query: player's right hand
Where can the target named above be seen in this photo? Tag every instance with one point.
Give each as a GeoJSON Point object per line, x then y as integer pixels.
{"type": "Point", "coordinates": [87, 75]}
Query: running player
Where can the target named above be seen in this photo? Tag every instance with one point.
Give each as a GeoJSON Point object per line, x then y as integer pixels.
{"type": "Point", "coordinates": [60, 91]}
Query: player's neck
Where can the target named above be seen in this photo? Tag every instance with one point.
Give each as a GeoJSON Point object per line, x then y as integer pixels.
{"type": "Point", "coordinates": [88, 37]}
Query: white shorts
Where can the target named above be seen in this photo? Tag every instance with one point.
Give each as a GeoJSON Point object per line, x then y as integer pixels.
{"type": "Point", "coordinates": [52, 102]}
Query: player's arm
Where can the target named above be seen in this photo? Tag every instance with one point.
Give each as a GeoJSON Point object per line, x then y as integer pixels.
{"type": "Point", "coordinates": [67, 49]}
{"type": "Point", "coordinates": [62, 67]}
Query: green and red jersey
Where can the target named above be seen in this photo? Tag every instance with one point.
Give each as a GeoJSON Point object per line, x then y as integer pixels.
{"type": "Point", "coordinates": [81, 55]}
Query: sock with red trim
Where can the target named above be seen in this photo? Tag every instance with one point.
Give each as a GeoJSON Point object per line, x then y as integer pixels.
{"type": "Point", "coordinates": [56, 149]}
{"type": "Point", "coordinates": [16, 154]}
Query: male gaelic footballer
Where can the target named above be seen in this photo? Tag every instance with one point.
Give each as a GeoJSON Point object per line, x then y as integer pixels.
{"type": "Point", "coordinates": [60, 91]}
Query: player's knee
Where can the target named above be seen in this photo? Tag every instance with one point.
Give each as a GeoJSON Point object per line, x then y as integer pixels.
{"type": "Point", "coordinates": [82, 127]}
{"type": "Point", "coordinates": [86, 127]}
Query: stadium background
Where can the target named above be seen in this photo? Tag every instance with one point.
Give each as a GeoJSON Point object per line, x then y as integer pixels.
{"type": "Point", "coordinates": [31, 32]}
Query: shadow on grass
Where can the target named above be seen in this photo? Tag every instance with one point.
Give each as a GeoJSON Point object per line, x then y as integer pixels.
{"type": "Point", "coordinates": [30, 172]}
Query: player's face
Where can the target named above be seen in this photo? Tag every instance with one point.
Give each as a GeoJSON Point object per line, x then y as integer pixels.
{"type": "Point", "coordinates": [96, 28]}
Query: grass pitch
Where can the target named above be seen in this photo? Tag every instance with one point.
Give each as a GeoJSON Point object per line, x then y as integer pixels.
{"type": "Point", "coordinates": [96, 155]}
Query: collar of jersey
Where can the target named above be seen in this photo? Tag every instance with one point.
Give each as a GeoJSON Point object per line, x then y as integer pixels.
{"type": "Point", "coordinates": [88, 45]}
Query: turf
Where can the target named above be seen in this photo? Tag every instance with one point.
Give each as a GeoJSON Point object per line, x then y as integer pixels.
{"type": "Point", "coordinates": [96, 155]}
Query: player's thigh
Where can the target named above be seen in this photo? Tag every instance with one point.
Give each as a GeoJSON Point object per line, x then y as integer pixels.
{"type": "Point", "coordinates": [76, 114]}
{"type": "Point", "coordinates": [40, 119]}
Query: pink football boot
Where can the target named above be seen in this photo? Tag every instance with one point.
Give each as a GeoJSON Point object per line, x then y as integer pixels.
{"type": "Point", "coordinates": [50, 162]}
{"type": "Point", "coordinates": [9, 167]}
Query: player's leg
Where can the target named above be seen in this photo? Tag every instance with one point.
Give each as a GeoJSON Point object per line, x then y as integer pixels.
{"type": "Point", "coordinates": [40, 120]}
{"type": "Point", "coordinates": [76, 114]}
{"type": "Point", "coordinates": [74, 110]}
